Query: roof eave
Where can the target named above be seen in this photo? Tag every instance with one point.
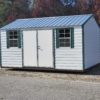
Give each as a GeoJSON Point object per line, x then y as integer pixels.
{"type": "Point", "coordinates": [36, 28]}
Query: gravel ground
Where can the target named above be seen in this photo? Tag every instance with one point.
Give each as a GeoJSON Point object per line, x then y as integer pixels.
{"type": "Point", "coordinates": [46, 85]}
{"type": "Point", "coordinates": [34, 88]}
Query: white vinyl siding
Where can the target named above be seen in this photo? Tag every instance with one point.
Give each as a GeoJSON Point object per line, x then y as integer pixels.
{"type": "Point", "coordinates": [11, 57]}
{"type": "Point", "coordinates": [92, 43]}
{"type": "Point", "coordinates": [70, 58]}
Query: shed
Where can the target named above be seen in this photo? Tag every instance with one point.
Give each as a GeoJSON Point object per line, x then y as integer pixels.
{"type": "Point", "coordinates": [62, 42]}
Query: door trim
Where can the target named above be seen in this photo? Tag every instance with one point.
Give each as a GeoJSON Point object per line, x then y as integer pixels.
{"type": "Point", "coordinates": [37, 48]}
{"type": "Point", "coordinates": [53, 44]}
{"type": "Point", "coordinates": [22, 48]}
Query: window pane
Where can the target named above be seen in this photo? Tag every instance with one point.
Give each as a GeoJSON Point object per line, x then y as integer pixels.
{"type": "Point", "coordinates": [67, 40]}
{"type": "Point", "coordinates": [62, 40]}
{"type": "Point", "coordinates": [67, 30]}
{"type": "Point", "coordinates": [15, 43]}
{"type": "Point", "coordinates": [15, 32]}
{"type": "Point", "coordinates": [67, 44]}
{"type": "Point", "coordinates": [61, 31]}
{"type": "Point", "coordinates": [11, 36]}
{"type": "Point", "coordinates": [61, 44]}
{"type": "Point", "coordinates": [61, 35]}
{"type": "Point", "coordinates": [67, 35]}
{"type": "Point", "coordinates": [15, 35]}
{"type": "Point", "coordinates": [11, 33]}
{"type": "Point", "coordinates": [11, 43]}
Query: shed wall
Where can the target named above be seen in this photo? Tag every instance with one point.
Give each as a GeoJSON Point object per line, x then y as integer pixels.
{"type": "Point", "coordinates": [70, 58]}
{"type": "Point", "coordinates": [91, 43]}
{"type": "Point", "coordinates": [11, 57]}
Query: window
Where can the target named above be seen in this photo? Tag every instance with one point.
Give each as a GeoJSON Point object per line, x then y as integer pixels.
{"type": "Point", "coordinates": [13, 39]}
{"type": "Point", "coordinates": [64, 37]}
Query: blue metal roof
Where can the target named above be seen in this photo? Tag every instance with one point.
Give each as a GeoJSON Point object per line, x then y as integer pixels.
{"type": "Point", "coordinates": [48, 22]}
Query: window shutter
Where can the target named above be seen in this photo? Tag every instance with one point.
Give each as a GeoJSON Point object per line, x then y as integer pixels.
{"type": "Point", "coordinates": [57, 38]}
{"type": "Point", "coordinates": [19, 39]}
{"type": "Point", "coordinates": [72, 37]}
{"type": "Point", "coordinates": [7, 36]}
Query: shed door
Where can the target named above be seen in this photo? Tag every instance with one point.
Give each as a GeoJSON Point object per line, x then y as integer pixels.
{"type": "Point", "coordinates": [29, 48]}
{"type": "Point", "coordinates": [45, 48]}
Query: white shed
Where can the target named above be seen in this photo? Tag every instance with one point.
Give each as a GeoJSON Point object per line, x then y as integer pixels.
{"type": "Point", "coordinates": [62, 42]}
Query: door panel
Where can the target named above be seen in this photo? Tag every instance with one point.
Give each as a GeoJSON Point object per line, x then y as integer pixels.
{"type": "Point", "coordinates": [45, 48]}
{"type": "Point", "coordinates": [30, 48]}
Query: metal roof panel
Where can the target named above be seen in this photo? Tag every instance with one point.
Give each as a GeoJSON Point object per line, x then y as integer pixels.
{"type": "Point", "coordinates": [59, 21]}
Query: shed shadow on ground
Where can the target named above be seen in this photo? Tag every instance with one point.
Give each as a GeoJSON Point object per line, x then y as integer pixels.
{"type": "Point", "coordinates": [95, 70]}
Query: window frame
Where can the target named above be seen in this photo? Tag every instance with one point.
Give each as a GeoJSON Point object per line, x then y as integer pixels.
{"type": "Point", "coordinates": [64, 38]}
{"type": "Point", "coordinates": [13, 35]}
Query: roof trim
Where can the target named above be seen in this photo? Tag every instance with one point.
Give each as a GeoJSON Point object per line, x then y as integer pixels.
{"type": "Point", "coordinates": [41, 28]}
{"type": "Point", "coordinates": [87, 20]}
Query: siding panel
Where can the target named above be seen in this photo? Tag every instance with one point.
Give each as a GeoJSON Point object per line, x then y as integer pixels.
{"type": "Point", "coordinates": [11, 57]}
{"type": "Point", "coordinates": [70, 58]}
{"type": "Point", "coordinates": [92, 43]}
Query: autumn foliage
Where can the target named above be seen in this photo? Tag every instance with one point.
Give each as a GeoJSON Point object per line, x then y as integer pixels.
{"type": "Point", "coordinates": [96, 9]}
{"type": "Point", "coordinates": [14, 9]}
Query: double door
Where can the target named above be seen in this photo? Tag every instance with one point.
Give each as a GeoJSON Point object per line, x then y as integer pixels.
{"type": "Point", "coordinates": [38, 48]}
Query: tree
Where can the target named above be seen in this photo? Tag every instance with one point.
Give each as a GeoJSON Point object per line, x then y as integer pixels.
{"type": "Point", "coordinates": [19, 9]}
{"type": "Point", "coordinates": [96, 10]}
{"type": "Point", "coordinates": [52, 8]}
{"type": "Point", "coordinates": [14, 9]}
{"type": "Point", "coordinates": [4, 9]}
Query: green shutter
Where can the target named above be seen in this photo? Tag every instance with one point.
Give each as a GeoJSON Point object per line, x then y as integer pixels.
{"type": "Point", "coordinates": [72, 37]}
{"type": "Point", "coordinates": [7, 36]}
{"type": "Point", "coordinates": [57, 38]}
{"type": "Point", "coordinates": [19, 39]}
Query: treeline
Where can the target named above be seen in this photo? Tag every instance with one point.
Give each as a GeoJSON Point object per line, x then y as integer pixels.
{"type": "Point", "coordinates": [55, 8]}
{"type": "Point", "coordinates": [14, 9]}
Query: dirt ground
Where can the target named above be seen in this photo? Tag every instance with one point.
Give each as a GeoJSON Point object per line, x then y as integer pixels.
{"type": "Point", "coordinates": [91, 75]}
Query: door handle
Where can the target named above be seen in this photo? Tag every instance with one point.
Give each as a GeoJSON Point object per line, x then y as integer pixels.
{"type": "Point", "coordinates": [39, 47]}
